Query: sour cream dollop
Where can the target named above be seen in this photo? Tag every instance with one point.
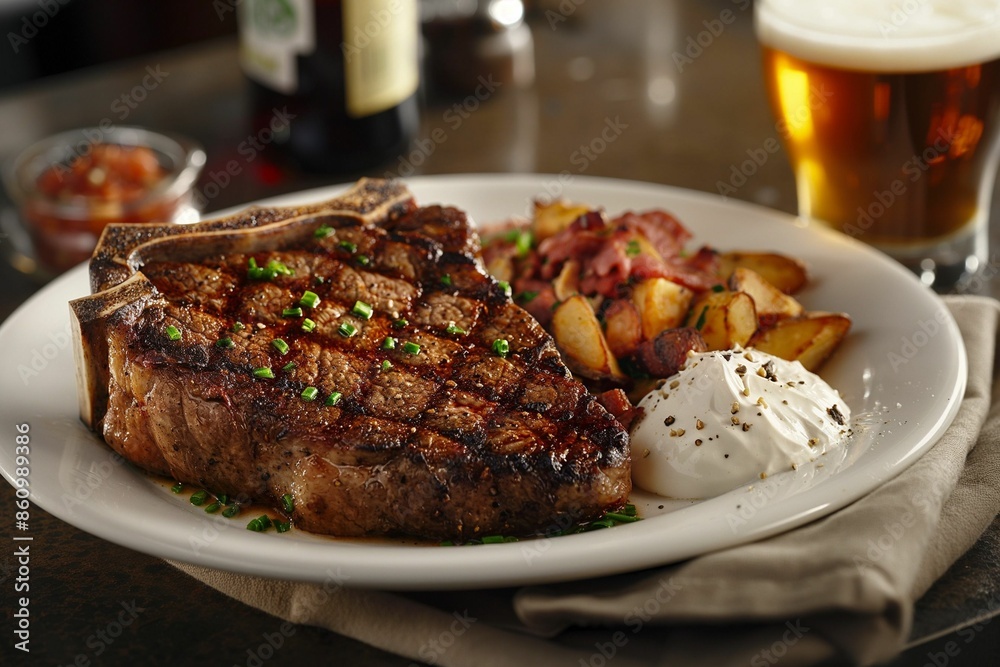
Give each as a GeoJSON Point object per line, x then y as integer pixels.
{"type": "Point", "coordinates": [730, 418]}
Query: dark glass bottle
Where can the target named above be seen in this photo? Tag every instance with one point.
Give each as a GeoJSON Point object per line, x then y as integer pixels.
{"type": "Point", "coordinates": [333, 81]}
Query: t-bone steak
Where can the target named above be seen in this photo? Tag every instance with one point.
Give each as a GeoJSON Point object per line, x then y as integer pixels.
{"type": "Point", "coordinates": [354, 354]}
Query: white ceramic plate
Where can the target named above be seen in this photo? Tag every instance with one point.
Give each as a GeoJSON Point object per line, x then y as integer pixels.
{"type": "Point", "coordinates": [902, 371]}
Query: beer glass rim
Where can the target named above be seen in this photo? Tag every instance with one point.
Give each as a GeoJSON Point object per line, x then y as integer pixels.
{"type": "Point", "coordinates": [885, 44]}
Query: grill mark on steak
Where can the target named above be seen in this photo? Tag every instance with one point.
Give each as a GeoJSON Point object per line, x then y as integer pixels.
{"type": "Point", "coordinates": [451, 442]}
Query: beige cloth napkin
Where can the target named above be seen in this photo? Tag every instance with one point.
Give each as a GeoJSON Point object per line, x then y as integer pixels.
{"type": "Point", "coordinates": [816, 592]}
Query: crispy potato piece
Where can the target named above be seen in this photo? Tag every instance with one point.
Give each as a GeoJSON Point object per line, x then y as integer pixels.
{"type": "Point", "coordinates": [786, 273]}
{"type": "Point", "coordinates": [622, 327]}
{"type": "Point", "coordinates": [567, 283]}
{"type": "Point", "coordinates": [579, 337]}
{"type": "Point", "coordinates": [501, 267]}
{"type": "Point", "coordinates": [725, 319]}
{"type": "Point", "coordinates": [662, 304]}
{"type": "Point", "coordinates": [771, 303]}
{"type": "Point", "coordinates": [810, 338]}
{"type": "Point", "coordinates": [550, 218]}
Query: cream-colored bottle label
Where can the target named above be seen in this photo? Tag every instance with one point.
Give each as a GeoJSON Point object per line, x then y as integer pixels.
{"type": "Point", "coordinates": [380, 46]}
{"type": "Point", "coordinates": [272, 34]}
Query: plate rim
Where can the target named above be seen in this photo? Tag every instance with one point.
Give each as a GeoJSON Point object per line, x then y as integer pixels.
{"type": "Point", "coordinates": [490, 561]}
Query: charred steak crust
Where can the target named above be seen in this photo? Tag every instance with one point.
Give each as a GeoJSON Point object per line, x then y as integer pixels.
{"type": "Point", "coordinates": [439, 437]}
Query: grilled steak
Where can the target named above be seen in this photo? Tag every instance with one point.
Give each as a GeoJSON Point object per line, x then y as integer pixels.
{"type": "Point", "coordinates": [392, 409]}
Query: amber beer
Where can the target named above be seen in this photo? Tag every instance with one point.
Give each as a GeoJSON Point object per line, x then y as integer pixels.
{"type": "Point", "coordinates": [891, 121]}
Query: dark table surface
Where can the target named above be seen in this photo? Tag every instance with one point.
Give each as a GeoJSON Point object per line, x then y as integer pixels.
{"type": "Point", "coordinates": [686, 124]}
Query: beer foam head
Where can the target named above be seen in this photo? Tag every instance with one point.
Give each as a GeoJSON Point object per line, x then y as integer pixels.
{"type": "Point", "coordinates": [883, 35]}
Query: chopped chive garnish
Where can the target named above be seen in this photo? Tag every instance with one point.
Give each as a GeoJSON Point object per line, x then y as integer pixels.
{"type": "Point", "coordinates": [527, 297]}
{"type": "Point", "coordinates": [214, 507]}
{"type": "Point", "coordinates": [310, 394]}
{"type": "Point", "coordinates": [629, 510]}
{"type": "Point", "coordinates": [294, 311]}
{"type": "Point", "coordinates": [273, 269]}
{"type": "Point", "coordinates": [389, 343]}
{"type": "Point", "coordinates": [347, 330]}
{"type": "Point", "coordinates": [319, 280]}
{"type": "Point", "coordinates": [173, 333]}
{"type": "Point", "coordinates": [290, 366]}
{"type": "Point", "coordinates": [523, 242]}
{"type": "Point", "coordinates": [260, 524]}
{"type": "Point", "coordinates": [718, 288]}
{"type": "Point", "coordinates": [446, 279]}
{"type": "Point", "coordinates": [231, 511]}
{"type": "Point", "coordinates": [199, 497]}
{"type": "Point", "coordinates": [362, 310]}
{"type": "Point", "coordinates": [226, 342]}
{"type": "Point", "coordinates": [363, 260]}
{"type": "Point", "coordinates": [411, 348]}
{"type": "Point", "coordinates": [493, 539]}
{"type": "Point", "coordinates": [632, 248]}
{"type": "Point", "coordinates": [288, 503]}
{"type": "Point", "coordinates": [323, 231]}
{"type": "Point", "coordinates": [280, 345]}
{"type": "Point", "coordinates": [400, 323]}
{"type": "Point", "coordinates": [309, 299]}
{"type": "Point", "coordinates": [348, 246]}
{"type": "Point", "coordinates": [283, 526]}
{"type": "Point", "coordinates": [454, 329]}
{"type": "Point", "coordinates": [238, 326]}
{"type": "Point", "coordinates": [505, 286]}
{"type": "Point", "coordinates": [501, 347]}
{"type": "Point", "coordinates": [178, 487]}
{"type": "Point", "coordinates": [701, 318]}
{"type": "Point", "coordinates": [446, 543]}
{"type": "Point", "coordinates": [223, 498]}
{"type": "Point", "coordinates": [264, 373]}
{"type": "Point", "coordinates": [308, 325]}
{"type": "Point", "coordinates": [386, 365]}
{"type": "Point", "coordinates": [620, 518]}
{"type": "Point", "coordinates": [333, 398]}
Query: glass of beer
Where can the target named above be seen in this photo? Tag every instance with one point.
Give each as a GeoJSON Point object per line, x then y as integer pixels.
{"type": "Point", "coordinates": [890, 114]}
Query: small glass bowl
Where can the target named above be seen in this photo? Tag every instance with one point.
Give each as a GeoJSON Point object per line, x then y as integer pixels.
{"type": "Point", "coordinates": [65, 230]}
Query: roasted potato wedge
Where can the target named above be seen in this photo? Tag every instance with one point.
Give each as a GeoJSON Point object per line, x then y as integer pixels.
{"type": "Point", "coordinates": [725, 319]}
{"type": "Point", "coordinates": [662, 304]}
{"type": "Point", "coordinates": [786, 273]}
{"type": "Point", "coordinates": [567, 283]}
{"type": "Point", "coordinates": [810, 338]}
{"type": "Point", "coordinates": [550, 218]}
{"type": "Point", "coordinates": [771, 303]}
{"type": "Point", "coordinates": [622, 327]}
{"type": "Point", "coordinates": [664, 355]}
{"type": "Point", "coordinates": [578, 336]}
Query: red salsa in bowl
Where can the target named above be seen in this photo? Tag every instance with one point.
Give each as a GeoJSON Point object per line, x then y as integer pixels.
{"type": "Point", "coordinates": [70, 187]}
